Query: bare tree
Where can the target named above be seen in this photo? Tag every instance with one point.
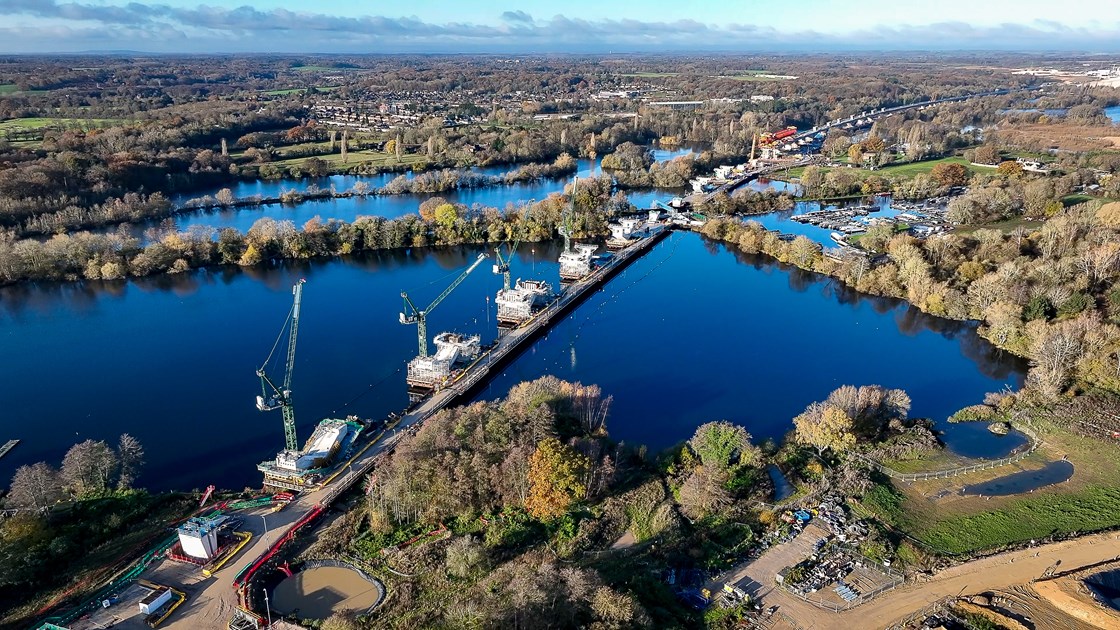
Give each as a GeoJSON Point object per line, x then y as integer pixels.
{"type": "Point", "coordinates": [131, 455]}
{"type": "Point", "coordinates": [89, 467]}
{"type": "Point", "coordinates": [35, 486]}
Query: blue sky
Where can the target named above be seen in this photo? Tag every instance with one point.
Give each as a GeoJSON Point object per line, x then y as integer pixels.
{"type": "Point", "coordinates": [571, 26]}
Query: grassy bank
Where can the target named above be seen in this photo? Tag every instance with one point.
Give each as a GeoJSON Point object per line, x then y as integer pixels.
{"type": "Point", "coordinates": [933, 512]}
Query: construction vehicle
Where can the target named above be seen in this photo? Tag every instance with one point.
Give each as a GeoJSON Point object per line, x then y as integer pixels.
{"type": "Point", "coordinates": [280, 397]}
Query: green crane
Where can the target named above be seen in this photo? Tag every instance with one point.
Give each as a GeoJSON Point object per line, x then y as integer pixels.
{"type": "Point", "coordinates": [280, 397]}
{"type": "Point", "coordinates": [502, 266]}
{"type": "Point", "coordinates": [413, 315]}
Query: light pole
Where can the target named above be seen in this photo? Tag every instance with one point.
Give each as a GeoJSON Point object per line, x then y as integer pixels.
{"type": "Point", "coordinates": [264, 523]}
{"type": "Point", "coordinates": [267, 608]}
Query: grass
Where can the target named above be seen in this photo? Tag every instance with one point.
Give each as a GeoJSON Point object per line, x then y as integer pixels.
{"type": "Point", "coordinates": [933, 513]}
{"type": "Point", "coordinates": [24, 124]}
{"type": "Point", "coordinates": [286, 92]}
{"type": "Point", "coordinates": [377, 158]}
{"type": "Point", "coordinates": [12, 88]}
{"type": "Point", "coordinates": [926, 166]}
{"type": "Point", "coordinates": [907, 170]}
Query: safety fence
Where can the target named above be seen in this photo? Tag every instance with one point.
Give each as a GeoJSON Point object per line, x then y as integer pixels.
{"type": "Point", "coordinates": [1035, 442]}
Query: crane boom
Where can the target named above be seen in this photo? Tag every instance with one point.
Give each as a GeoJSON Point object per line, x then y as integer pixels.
{"type": "Point", "coordinates": [281, 396]}
{"type": "Point", "coordinates": [503, 264]}
{"type": "Point", "coordinates": [420, 316]}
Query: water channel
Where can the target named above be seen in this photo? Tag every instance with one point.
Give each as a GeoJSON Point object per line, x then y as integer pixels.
{"type": "Point", "coordinates": [691, 332]}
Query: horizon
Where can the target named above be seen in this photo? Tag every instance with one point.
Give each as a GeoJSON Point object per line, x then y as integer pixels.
{"type": "Point", "coordinates": [533, 27]}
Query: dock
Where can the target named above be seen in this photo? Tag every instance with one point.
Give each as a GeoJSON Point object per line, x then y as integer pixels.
{"type": "Point", "coordinates": [8, 446]}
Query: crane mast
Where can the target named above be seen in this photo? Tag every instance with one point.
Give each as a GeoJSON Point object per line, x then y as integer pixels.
{"type": "Point", "coordinates": [420, 316]}
{"type": "Point", "coordinates": [281, 396]}
{"type": "Point", "coordinates": [502, 266]}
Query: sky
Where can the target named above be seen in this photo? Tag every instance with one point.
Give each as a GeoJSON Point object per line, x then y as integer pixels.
{"type": "Point", "coordinates": [528, 26]}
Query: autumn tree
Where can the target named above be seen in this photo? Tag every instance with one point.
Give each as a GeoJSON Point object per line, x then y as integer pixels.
{"type": "Point", "coordinates": [35, 486]}
{"type": "Point", "coordinates": [825, 427]}
{"type": "Point", "coordinates": [555, 474]}
{"type": "Point", "coordinates": [950, 174]}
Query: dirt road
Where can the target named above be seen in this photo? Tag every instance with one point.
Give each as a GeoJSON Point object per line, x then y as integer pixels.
{"type": "Point", "coordinates": [996, 572]}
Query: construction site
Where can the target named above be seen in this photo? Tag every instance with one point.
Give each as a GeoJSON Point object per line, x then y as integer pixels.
{"type": "Point", "coordinates": [188, 579]}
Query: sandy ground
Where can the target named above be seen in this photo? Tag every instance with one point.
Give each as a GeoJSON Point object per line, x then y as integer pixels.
{"type": "Point", "coordinates": [998, 572]}
{"type": "Point", "coordinates": [1072, 597]}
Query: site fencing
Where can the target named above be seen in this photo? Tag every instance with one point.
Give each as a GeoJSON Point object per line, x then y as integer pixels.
{"type": "Point", "coordinates": [1035, 442]}
{"type": "Point", "coordinates": [895, 578]}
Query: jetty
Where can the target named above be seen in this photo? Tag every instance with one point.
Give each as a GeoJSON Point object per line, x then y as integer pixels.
{"type": "Point", "coordinates": [8, 446]}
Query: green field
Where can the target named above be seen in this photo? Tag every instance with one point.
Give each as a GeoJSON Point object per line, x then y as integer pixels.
{"type": "Point", "coordinates": [23, 124]}
{"type": "Point", "coordinates": [933, 513]}
{"type": "Point", "coordinates": [285, 92]}
{"type": "Point", "coordinates": [914, 168]}
{"type": "Point", "coordinates": [357, 157]}
{"type": "Point", "coordinates": [11, 88]}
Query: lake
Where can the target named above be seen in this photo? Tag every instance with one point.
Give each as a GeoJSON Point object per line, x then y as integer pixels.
{"type": "Point", "coordinates": [691, 332]}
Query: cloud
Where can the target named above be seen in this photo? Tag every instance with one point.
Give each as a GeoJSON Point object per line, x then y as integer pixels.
{"type": "Point", "coordinates": [245, 28]}
{"type": "Point", "coordinates": [517, 16]}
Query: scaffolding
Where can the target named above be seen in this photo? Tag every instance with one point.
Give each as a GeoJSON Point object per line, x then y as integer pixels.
{"type": "Point", "coordinates": [432, 372]}
{"type": "Point", "coordinates": [517, 305]}
{"type": "Point", "coordinates": [576, 263]}
{"type": "Point", "coordinates": [295, 470]}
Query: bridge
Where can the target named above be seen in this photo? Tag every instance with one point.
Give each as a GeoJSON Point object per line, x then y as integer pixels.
{"type": "Point", "coordinates": [862, 119]}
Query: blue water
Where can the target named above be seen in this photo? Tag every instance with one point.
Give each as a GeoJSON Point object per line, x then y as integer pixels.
{"type": "Point", "coordinates": [1113, 113]}
{"type": "Point", "coordinates": [1022, 481]}
{"type": "Point", "coordinates": [693, 332]}
{"type": "Point", "coordinates": [389, 206]}
{"type": "Point", "coordinates": [690, 333]}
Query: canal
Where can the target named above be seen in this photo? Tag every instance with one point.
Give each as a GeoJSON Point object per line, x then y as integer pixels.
{"type": "Point", "coordinates": [691, 332]}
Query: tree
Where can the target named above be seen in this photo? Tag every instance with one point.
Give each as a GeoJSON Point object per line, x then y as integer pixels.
{"type": "Point", "coordinates": [724, 445]}
{"type": "Point", "coordinates": [446, 215]}
{"type": "Point", "coordinates": [35, 486]}
{"type": "Point", "coordinates": [874, 144]}
{"type": "Point", "coordinates": [391, 146]}
{"type": "Point", "coordinates": [986, 154]}
{"type": "Point", "coordinates": [131, 454]}
{"type": "Point", "coordinates": [705, 492]}
{"type": "Point", "coordinates": [555, 474]}
{"type": "Point", "coordinates": [224, 197]}
{"type": "Point", "coordinates": [824, 427]}
{"type": "Point", "coordinates": [950, 174]}
{"type": "Point", "coordinates": [89, 467]}
{"type": "Point", "coordinates": [1010, 168]}
{"type": "Point", "coordinates": [855, 153]}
